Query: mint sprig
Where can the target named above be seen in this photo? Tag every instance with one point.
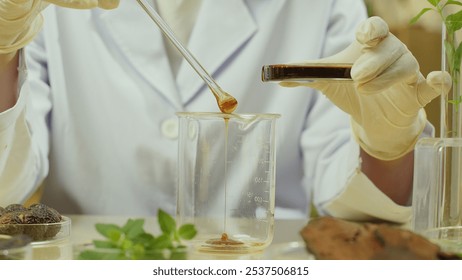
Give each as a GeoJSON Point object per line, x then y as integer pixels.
{"type": "Point", "coordinates": [132, 242]}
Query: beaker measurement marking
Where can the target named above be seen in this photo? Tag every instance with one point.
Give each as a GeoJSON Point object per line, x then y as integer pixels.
{"type": "Point", "coordinates": [260, 180]}
{"type": "Point", "coordinates": [257, 198]}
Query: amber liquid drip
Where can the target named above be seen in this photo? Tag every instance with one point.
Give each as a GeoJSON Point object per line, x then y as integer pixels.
{"type": "Point", "coordinates": [226, 174]}
{"type": "Point", "coordinates": [224, 240]}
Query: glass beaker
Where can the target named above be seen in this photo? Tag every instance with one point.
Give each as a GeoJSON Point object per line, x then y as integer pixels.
{"type": "Point", "coordinates": [226, 180]}
{"type": "Point", "coordinates": [437, 193]}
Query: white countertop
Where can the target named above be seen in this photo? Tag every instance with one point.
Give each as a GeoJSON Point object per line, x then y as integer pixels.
{"type": "Point", "coordinates": [287, 242]}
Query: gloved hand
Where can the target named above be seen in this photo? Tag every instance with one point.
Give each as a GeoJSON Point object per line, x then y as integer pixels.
{"type": "Point", "coordinates": [388, 94]}
{"type": "Point", "coordinates": [20, 20]}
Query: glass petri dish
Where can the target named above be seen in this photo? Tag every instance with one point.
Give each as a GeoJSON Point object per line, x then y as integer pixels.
{"type": "Point", "coordinates": [306, 72]}
{"type": "Point", "coordinates": [295, 250]}
{"type": "Point", "coordinates": [16, 247]}
{"type": "Point", "coordinates": [40, 233]}
{"type": "Point", "coordinates": [49, 241]}
{"type": "Point", "coordinates": [448, 238]}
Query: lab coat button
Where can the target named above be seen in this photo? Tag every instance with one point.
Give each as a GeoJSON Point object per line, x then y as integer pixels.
{"type": "Point", "coordinates": [169, 128]}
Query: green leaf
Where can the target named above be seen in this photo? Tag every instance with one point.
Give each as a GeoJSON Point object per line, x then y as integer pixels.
{"type": "Point", "coordinates": [138, 251]}
{"type": "Point", "coordinates": [132, 242]}
{"type": "Point", "coordinates": [145, 238]}
{"type": "Point", "coordinates": [419, 15]}
{"type": "Point", "coordinates": [187, 231]}
{"type": "Point", "coordinates": [434, 3]}
{"type": "Point", "coordinates": [112, 232]}
{"type": "Point", "coordinates": [457, 58]}
{"type": "Point", "coordinates": [104, 244]}
{"type": "Point", "coordinates": [96, 255]}
{"type": "Point", "coordinates": [107, 229]}
{"type": "Point", "coordinates": [126, 244]}
{"type": "Point", "coordinates": [162, 242]}
{"type": "Point", "coordinates": [166, 222]}
{"type": "Point", "coordinates": [454, 22]}
{"type": "Point", "coordinates": [450, 2]}
{"type": "Point", "coordinates": [450, 51]}
{"type": "Point", "coordinates": [133, 228]}
{"type": "Point", "coordinates": [456, 102]}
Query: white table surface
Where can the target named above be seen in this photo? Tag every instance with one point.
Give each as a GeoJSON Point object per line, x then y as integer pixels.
{"type": "Point", "coordinates": [287, 242]}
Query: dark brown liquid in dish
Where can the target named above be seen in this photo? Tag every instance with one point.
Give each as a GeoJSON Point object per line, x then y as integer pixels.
{"type": "Point", "coordinates": [281, 72]}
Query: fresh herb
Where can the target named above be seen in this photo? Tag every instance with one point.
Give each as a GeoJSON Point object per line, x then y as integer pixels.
{"type": "Point", "coordinates": [132, 242]}
{"type": "Point", "coordinates": [452, 23]}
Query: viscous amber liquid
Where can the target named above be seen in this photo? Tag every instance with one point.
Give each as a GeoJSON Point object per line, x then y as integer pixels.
{"type": "Point", "coordinates": [224, 239]}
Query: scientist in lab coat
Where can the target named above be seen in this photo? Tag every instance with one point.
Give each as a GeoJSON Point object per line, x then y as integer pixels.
{"type": "Point", "coordinates": [88, 102]}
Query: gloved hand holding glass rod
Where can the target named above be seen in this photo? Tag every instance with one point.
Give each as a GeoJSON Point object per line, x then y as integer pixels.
{"type": "Point", "coordinates": [93, 117]}
{"type": "Point", "coordinates": [21, 19]}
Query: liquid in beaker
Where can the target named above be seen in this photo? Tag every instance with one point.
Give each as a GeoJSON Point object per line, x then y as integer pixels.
{"type": "Point", "coordinates": [226, 181]}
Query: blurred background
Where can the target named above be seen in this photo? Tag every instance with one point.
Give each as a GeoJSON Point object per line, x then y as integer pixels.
{"type": "Point", "coordinates": [422, 38]}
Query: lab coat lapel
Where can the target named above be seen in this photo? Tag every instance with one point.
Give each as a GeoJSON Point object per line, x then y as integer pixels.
{"type": "Point", "coordinates": [222, 27]}
{"type": "Point", "coordinates": [139, 41]}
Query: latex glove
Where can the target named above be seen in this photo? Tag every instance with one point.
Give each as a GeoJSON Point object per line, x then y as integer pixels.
{"type": "Point", "coordinates": [388, 94]}
{"type": "Point", "coordinates": [20, 20]}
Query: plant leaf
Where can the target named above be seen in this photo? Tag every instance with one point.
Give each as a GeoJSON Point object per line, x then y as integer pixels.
{"type": "Point", "coordinates": [187, 231]}
{"type": "Point", "coordinates": [162, 242]}
{"type": "Point", "coordinates": [126, 244]}
{"type": "Point", "coordinates": [95, 255]}
{"type": "Point", "coordinates": [133, 228]}
{"type": "Point", "coordinates": [132, 242]}
{"type": "Point", "coordinates": [434, 3]}
{"type": "Point", "coordinates": [454, 21]}
{"type": "Point", "coordinates": [449, 49]}
{"type": "Point", "coordinates": [166, 222]}
{"type": "Point", "coordinates": [451, 2]}
{"type": "Point", "coordinates": [420, 14]}
{"type": "Point", "coordinates": [145, 239]}
{"type": "Point", "coordinates": [457, 58]}
{"type": "Point", "coordinates": [107, 230]}
{"type": "Point", "coordinates": [103, 244]}
{"type": "Point", "coordinates": [455, 103]}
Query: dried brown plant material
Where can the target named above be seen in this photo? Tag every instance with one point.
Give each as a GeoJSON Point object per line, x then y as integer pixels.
{"type": "Point", "coordinates": [329, 238]}
{"type": "Point", "coordinates": [37, 221]}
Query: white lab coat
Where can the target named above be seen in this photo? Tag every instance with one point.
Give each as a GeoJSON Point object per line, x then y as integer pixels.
{"type": "Point", "coordinates": [100, 103]}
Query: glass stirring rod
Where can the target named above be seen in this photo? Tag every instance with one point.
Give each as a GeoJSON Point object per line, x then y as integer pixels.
{"type": "Point", "coordinates": [226, 102]}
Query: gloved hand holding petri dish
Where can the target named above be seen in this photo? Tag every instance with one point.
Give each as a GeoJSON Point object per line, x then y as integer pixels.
{"type": "Point", "coordinates": [386, 94]}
